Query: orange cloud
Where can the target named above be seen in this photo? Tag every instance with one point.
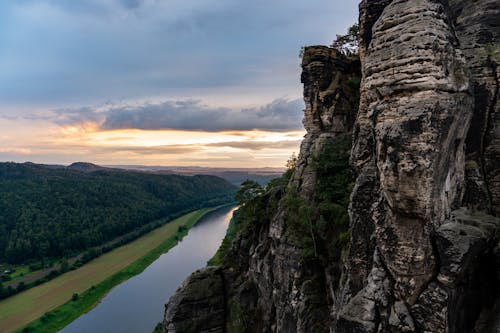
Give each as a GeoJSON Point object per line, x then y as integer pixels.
{"type": "Point", "coordinates": [20, 151]}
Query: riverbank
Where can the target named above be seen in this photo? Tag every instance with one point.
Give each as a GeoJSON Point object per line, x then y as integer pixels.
{"type": "Point", "coordinates": [31, 279]}
{"type": "Point", "coordinates": [51, 306]}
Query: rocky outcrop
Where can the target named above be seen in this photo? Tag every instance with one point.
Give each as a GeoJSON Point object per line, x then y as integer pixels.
{"type": "Point", "coordinates": [414, 148]}
{"type": "Point", "coordinates": [271, 287]}
{"type": "Point", "coordinates": [424, 253]}
{"type": "Point", "coordinates": [331, 96]}
{"type": "Point", "coordinates": [414, 113]}
{"type": "Point", "coordinates": [204, 299]}
{"type": "Point", "coordinates": [478, 32]}
{"type": "Point", "coordinates": [415, 109]}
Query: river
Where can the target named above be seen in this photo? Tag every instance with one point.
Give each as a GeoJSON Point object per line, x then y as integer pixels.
{"type": "Point", "coordinates": [137, 305]}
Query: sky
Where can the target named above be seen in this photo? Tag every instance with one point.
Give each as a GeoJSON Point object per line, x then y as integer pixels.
{"type": "Point", "coordinates": [158, 82]}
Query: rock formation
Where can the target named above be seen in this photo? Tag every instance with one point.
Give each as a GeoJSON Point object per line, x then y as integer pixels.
{"type": "Point", "coordinates": [270, 256]}
{"type": "Point", "coordinates": [331, 99]}
{"type": "Point", "coordinates": [425, 80]}
{"type": "Point", "coordinates": [423, 253]}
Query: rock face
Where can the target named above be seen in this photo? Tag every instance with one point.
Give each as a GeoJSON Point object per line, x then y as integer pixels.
{"type": "Point", "coordinates": [424, 83]}
{"type": "Point", "coordinates": [331, 97]}
{"type": "Point", "coordinates": [270, 287]}
{"type": "Point", "coordinates": [478, 32]}
{"type": "Point", "coordinates": [204, 299]}
{"type": "Point", "coordinates": [424, 253]}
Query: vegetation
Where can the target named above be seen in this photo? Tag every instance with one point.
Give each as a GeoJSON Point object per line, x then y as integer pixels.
{"type": "Point", "coordinates": [492, 52]}
{"type": "Point", "coordinates": [253, 212]}
{"type": "Point", "coordinates": [318, 226]}
{"type": "Point", "coordinates": [347, 44]}
{"type": "Point", "coordinates": [249, 189]}
{"type": "Point", "coordinates": [238, 177]}
{"type": "Point", "coordinates": [225, 246]}
{"type": "Point", "coordinates": [158, 328]}
{"type": "Point", "coordinates": [283, 181]}
{"type": "Point", "coordinates": [321, 226]}
{"type": "Point", "coordinates": [56, 213]}
{"type": "Point", "coordinates": [246, 224]}
{"type": "Point", "coordinates": [90, 282]}
{"type": "Point", "coordinates": [55, 270]}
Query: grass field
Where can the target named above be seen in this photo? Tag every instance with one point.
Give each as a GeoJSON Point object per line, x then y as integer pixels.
{"type": "Point", "coordinates": [51, 301]}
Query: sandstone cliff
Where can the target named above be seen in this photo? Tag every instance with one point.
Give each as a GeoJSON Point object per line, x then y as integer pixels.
{"type": "Point", "coordinates": [279, 274]}
{"type": "Point", "coordinates": [420, 252]}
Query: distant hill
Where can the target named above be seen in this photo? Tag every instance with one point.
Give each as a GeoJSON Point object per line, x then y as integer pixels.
{"type": "Point", "coordinates": [85, 166]}
{"type": "Point", "coordinates": [53, 211]}
{"type": "Point", "coordinates": [234, 175]}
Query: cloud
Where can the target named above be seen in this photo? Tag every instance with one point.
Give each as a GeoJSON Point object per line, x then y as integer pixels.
{"type": "Point", "coordinates": [84, 52]}
{"type": "Point", "coordinates": [180, 149]}
{"type": "Point", "coordinates": [154, 150]}
{"type": "Point", "coordinates": [74, 116]}
{"type": "Point", "coordinates": [280, 115]}
{"type": "Point", "coordinates": [201, 57]}
{"type": "Point", "coordinates": [257, 145]}
{"type": "Point", "coordinates": [19, 151]}
{"type": "Point", "coordinates": [132, 4]}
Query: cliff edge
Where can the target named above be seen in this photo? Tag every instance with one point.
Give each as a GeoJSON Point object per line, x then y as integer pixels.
{"type": "Point", "coordinates": [389, 221]}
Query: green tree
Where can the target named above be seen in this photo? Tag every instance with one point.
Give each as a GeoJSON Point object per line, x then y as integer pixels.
{"type": "Point", "coordinates": [249, 189]}
{"type": "Point", "coordinates": [47, 214]}
{"type": "Point", "coordinates": [321, 226]}
{"type": "Point", "coordinates": [291, 164]}
{"type": "Point", "coordinates": [348, 44]}
{"type": "Point", "coordinates": [64, 265]}
{"type": "Point", "coordinates": [21, 286]}
{"type": "Point", "coordinates": [492, 51]}
{"type": "Point", "coordinates": [158, 328]}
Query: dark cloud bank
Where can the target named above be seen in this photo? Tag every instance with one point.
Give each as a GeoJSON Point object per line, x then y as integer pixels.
{"type": "Point", "coordinates": [279, 115]}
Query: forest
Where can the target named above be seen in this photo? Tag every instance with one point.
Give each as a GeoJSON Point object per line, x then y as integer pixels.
{"type": "Point", "coordinates": [59, 212]}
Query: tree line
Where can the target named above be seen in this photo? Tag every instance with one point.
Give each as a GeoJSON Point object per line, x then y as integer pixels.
{"type": "Point", "coordinates": [61, 212]}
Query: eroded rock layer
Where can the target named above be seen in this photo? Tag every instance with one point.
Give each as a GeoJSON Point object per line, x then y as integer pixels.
{"type": "Point", "coordinates": [423, 253]}
{"type": "Point", "coordinates": [331, 83]}
{"type": "Point", "coordinates": [425, 80]}
{"type": "Point", "coordinates": [274, 283]}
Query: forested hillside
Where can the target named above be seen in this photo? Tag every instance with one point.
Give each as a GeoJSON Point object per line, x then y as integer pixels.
{"type": "Point", "coordinates": [59, 212]}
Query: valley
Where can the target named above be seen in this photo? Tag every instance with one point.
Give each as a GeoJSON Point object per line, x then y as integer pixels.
{"type": "Point", "coordinates": [52, 301]}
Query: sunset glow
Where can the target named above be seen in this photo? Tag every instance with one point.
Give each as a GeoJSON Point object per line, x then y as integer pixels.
{"type": "Point", "coordinates": [66, 144]}
{"type": "Point", "coordinates": [212, 83]}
